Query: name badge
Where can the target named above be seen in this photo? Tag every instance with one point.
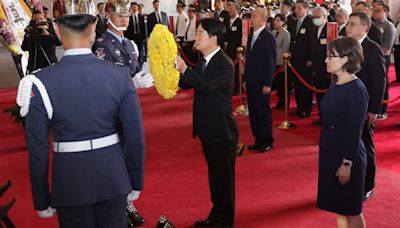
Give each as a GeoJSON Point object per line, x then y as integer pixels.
{"type": "Point", "coordinates": [302, 31]}
{"type": "Point", "coordinates": [322, 41]}
{"type": "Point", "coordinates": [221, 19]}
{"type": "Point", "coordinates": [234, 28]}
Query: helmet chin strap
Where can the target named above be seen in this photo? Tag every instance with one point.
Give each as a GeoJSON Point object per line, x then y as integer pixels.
{"type": "Point", "coordinates": [121, 29]}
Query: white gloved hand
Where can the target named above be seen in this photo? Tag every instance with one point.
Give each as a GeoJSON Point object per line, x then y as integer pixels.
{"type": "Point", "coordinates": [133, 195]}
{"type": "Point", "coordinates": [47, 213]}
{"type": "Point", "coordinates": [146, 68]}
{"type": "Point", "coordinates": [142, 80]}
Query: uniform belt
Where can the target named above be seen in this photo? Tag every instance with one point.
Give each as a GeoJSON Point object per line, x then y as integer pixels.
{"type": "Point", "coordinates": [85, 145]}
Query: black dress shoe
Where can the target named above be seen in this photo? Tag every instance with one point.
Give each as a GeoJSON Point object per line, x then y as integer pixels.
{"type": "Point", "coordinates": [264, 149]}
{"type": "Point", "coordinates": [316, 122]}
{"type": "Point", "coordinates": [4, 188]}
{"type": "Point", "coordinates": [134, 218]}
{"type": "Point", "coordinates": [302, 115]}
{"type": "Point", "coordinates": [369, 195]}
{"type": "Point", "coordinates": [209, 222]}
{"type": "Point", "coordinates": [255, 146]}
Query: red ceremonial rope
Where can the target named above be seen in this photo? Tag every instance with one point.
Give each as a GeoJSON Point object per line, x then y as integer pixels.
{"type": "Point", "coordinates": [185, 58]}
{"type": "Point", "coordinates": [304, 82]}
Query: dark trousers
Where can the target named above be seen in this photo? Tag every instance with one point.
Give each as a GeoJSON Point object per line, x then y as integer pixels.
{"type": "Point", "coordinates": [397, 61]}
{"type": "Point", "coordinates": [302, 94]}
{"type": "Point", "coordinates": [386, 95]}
{"type": "Point", "coordinates": [191, 55]}
{"type": "Point", "coordinates": [137, 38]}
{"type": "Point", "coordinates": [260, 116]}
{"type": "Point", "coordinates": [105, 214]}
{"type": "Point", "coordinates": [367, 137]}
{"type": "Point", "coordinates": [321, 81]}
{"type": "Point", "coordinates": [279, 86]}
{"type": "Point", "coordinates": [221, 157]}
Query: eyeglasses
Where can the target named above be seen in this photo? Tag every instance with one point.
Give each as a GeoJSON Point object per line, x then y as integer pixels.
{"type": "Point", "coordinates": [352, 24]}
{"type": "Point", "coordinates": [332, 55]}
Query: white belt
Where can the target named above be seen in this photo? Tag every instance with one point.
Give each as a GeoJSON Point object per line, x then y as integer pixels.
{"type": "Point", "coordinates": [92, 144]}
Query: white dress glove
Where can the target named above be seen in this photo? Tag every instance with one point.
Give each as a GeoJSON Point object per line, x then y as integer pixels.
{"type": "Point", "coordinates": [146, 68]}
{"type": "Point", "coordinates": [133, 195]}
{"type": "Point", "coordinates": [47, 213]}
{"type": "Point", "coordinates": [143, 80]}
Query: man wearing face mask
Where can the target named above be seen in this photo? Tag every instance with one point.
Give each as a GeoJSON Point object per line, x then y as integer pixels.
{"type": "Point", "coordinates": [114, 47]}
{"type": "Point", "coordinates": [318, 53]}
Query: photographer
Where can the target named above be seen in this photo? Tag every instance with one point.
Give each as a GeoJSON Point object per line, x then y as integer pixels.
{"type": "Point", "coordinates": [41, 41]}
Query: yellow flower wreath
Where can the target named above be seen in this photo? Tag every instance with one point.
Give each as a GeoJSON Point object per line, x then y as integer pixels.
{"type": "Point", "coordinates": [162, 53]}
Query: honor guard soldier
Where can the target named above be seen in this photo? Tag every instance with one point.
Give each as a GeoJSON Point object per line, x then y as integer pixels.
{"type": "Point", "coordinates": [80, 100]}
{"type": "Point", "coordinates": [114, 47]}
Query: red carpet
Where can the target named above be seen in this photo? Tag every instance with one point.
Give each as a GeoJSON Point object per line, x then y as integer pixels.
{"type": "Point", "coordinates": [276, 189]}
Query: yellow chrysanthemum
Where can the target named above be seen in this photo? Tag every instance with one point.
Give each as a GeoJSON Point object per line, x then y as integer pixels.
{"type": "Point", "coordinates": [162, 53]}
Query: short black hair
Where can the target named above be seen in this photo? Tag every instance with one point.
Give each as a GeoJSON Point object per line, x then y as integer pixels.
{"type": "Point", "coordinates": [351, 48]}
{"type": "Point", "coordinates": [45, 8]}
{"type": "Point", "coordinates": [134, 4]}
{"type": "Point", "coordinates": [36, 12]}
{"type": "Point", "coordinates": [214, 27]}
{"type": "Point", "coordinates": [100, 3]}
{"type": "Point", "coordinates": [282, 17]}
{"type": "Point", "coordinates": [76, 23]}
{"type": "Point", "coordinates": [364, 18]}
{"type": "Point", "coordinates": [287, 3]}
{"type": "Point", "coordinates": [364, 4]}
{"type": "Point", "coordinates": [304, 3]}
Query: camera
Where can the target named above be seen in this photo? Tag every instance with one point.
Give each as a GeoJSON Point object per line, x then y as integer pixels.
{"type": "Point", "coordinates": [36, 29]}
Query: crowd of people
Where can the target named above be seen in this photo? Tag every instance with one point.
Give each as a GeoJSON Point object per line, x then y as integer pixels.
{"type": "Point", "coordinates": [354, 71]}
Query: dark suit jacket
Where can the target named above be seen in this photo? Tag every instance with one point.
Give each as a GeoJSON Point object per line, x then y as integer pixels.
{"type": "Point", "coordinates": [224, 18]}
{"type": "Point", "coordinates": [260, 62]}
{"type": "Point", "coordinates": [213, 119]}
{"type": "Point", "coordinates": [152, 21]}
{"type": "Point", "coordinates": [300, 43]}
{"type": "Point", "coordinates": [342, 32]}
{"type": "Point", "coordinates": [373, 73]}
{"type": "Point", "coordinates": [233, 38]}
{"type": "Point", "coordinates": [129, 33]}
{"type": "Point", "coordinates": [318, 52]}
{"type": "Point", "coordinates": [375, 35]}
{"type": "Point", "coordinates": [101, 26]}
{"type": "Point", "coordinates": [100, 95]}
{"type": "Point", "coordinates": [48, 43]}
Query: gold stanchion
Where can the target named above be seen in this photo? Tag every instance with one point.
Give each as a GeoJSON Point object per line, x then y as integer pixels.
{"type": "Point", "coordinates": [241, 109]}
{"type": "Point", "coordinates": [286, 124]}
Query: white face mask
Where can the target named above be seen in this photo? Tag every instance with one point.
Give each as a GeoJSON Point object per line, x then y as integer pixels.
{"type": "Point", "coordinates": [317, 21]}
{"type": "Point", "coordinates": [121, 29]}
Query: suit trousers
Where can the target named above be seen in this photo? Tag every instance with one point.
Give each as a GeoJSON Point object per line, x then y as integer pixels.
{"type": "Point", "coordinates": [367, 137]}
{"type": "Point", "coordinates": [106, 214]}
{"type": "Point", "coordinates": [397, 61]}
{"type": "Point", "coordinates": [386, 95]}
{"type": "Point", "coordinates": [221, 158]}
{"type": "Point", "coordinates": [302, 94]}
{"type": "Point", "coordinates": [260, 116]}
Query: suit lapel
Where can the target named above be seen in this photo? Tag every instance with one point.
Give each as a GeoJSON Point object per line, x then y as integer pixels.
{"type": "Point", "coordinates": [213, 60]}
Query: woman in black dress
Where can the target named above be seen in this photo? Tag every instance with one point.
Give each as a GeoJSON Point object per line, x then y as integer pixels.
{"type": "Point", "coordinates": [342, 156]}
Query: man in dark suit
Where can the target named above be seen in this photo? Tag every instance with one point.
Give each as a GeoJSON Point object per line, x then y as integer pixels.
{"type": "Point", "coordinates": [156, 17]}
{"type": "Point", "coordinates": [213, 120]}
{"type": "Point", "coordinates": [101, 25]}
{"type": "Point", "coordinates": [301, 41]}
{"type": "Point", "coordinates": [373, 32]}
{"type": "Point", "coordinates": [40, 41]}
{"type": "Point", "coordinates": [286, 9]}
{"type": "Point", "coordinates": [372, 74]}
{"type": "Point", "coordinates": [259, 70]}
{"type": "Point", "coordinates": [136, 30]}
{"type": "Point", "coordinates": [318, 53]}
{"type": "Point", "coordinates": [341, 19]}
{"type": "Point", "coordinates": [85, 99]}
{"type": "Point", "coordinates": [233, 39]}
{"type": "Point", "coordinates": [221, 14]}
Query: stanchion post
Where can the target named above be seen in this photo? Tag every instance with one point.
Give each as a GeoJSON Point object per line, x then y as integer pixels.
{"type": "Point", "coordinates": [241, 109]}
{"type": "Point", "coordinates": [286, 124]}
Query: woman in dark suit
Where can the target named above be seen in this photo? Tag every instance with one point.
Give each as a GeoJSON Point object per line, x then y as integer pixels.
{"type": "Point", "coordinates": [342, 155]}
